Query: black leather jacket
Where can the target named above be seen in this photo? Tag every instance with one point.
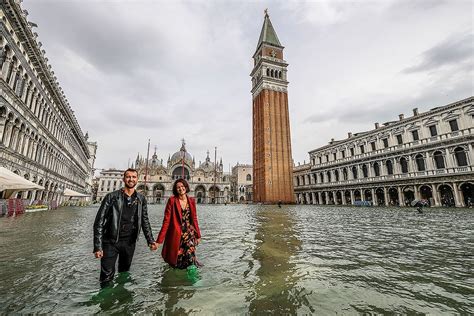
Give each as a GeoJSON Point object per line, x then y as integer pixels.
{"type": "Point", "coordinates": [107, 221]}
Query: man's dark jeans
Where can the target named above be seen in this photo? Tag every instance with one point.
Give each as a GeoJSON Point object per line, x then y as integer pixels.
{"type": "Point", "coordinates": [124, 250]}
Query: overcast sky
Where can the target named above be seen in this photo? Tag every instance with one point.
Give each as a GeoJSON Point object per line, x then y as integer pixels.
{"type": "Point", "coordinates": [167, 70]}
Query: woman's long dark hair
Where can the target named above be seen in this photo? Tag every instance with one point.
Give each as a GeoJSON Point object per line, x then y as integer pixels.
{"type": "Point", "coordinates": [184, 182]}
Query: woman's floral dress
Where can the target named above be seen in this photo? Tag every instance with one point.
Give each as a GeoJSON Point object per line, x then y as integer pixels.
{"type": "Point", "coordinates": [187, 247]}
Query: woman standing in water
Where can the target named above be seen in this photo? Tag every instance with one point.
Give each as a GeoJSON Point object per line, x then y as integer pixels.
{"type": "Point", "coordinates": [180, 230]}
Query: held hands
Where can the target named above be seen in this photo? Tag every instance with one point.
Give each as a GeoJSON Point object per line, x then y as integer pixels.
{"type": "Point", "coordinates": [99, 254]}
{"type": "Point", "coordinates": [153, 246]}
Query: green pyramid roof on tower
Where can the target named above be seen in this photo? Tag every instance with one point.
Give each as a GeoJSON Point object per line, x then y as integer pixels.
{"type": "Point", "coordinates": [268, 34]}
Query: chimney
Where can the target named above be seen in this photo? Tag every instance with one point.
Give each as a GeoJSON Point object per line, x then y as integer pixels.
{"type": "Point", "coordinates": [415, 111]}
{"type": "Point", "coordinates": [349, 135]}
{"type": "Point", "coordinates": [332, 141]}
{"type": "Point", "coordinates": [377, 125]}
{"type": "Point", "coordinates": [401, 116]}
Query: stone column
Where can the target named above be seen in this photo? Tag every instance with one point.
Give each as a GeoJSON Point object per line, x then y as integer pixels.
{"type": "Point", "coordinates": [343, 197]}
{"type": "Point", "coordinates": [3, 124]}
{"type": "Point", "coordinates": [320, 198]}
{"type": "Point", "coordinates": [5, 68]}
{"type": "Point", "coordinates": [352, 197]}
{"type": "Point", "coordinates": [13, 77]}
{"type": "Point", "coordinates": [429, 162]}
{"type": "Point", "coordinates": [386, 196]}
{"type": "Point", "coordinates": [313, 197]}
{"type": "Point", "coordinates": [449, 162]}
{"type": "Point", "coordinates": [401, 200]}
{"type": "Point", "coordinates": [382, 168]}
{"type": "Point", "coordinates": [459, 202]}
{"type": "Point", "coordinates": [435, 193]}
{"type": "Point", "coordinates": [307, 197]}
{"type": "Point", "coordinates": [396, 166]}
{"type": "Point", "coordinates": [326, 197]}
{"type": "Point", "coordinates": [374, 197]}
{"type": "Point", "coordinates": [417, 192]}
{"type": "Point", "coordinates": [469, 154]}
{"type": "Point", "coordinates": [26, 145]}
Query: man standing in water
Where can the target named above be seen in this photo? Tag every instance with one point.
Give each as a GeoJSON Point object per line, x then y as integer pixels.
{"type": "Point", "coordinates": [117, 226]}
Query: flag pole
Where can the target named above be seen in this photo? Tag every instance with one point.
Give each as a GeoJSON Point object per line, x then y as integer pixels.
{"type": "Point", "coordinates": [146, 166]}
{"type": "Point", "coordinates": [215, 174]}
{"type": "Point", "coordinates": [182, 161]}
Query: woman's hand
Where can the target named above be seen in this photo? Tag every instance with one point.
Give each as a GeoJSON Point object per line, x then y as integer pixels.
{"type": "Point", "coordinates": [198, 241]}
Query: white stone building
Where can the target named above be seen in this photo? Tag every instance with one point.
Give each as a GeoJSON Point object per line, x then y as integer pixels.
{"type": "Point", "coordinates": [242, 183]}
{"type": "Point", "coordinates": [426, 156]}
{"type": "Point", "coordinates": [40, 138]}
{"type": "Point", "coordinates": [108, 181]}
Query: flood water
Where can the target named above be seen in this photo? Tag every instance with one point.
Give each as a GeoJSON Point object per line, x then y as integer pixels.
{"type": "Point", "coordinates": [257, 260]}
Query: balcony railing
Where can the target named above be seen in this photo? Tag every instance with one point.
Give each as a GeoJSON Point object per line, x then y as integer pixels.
{"type": "Point", "coordinates": [412, 174]}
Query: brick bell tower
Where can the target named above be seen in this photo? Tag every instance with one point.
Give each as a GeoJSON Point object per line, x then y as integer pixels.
{"type": "Point", "coordinates": [272, 160]}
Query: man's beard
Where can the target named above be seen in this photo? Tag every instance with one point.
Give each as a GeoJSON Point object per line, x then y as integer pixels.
{"type": "Point", "coordinates": [129, 186]}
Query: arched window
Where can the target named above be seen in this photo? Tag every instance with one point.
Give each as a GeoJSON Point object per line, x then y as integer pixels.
{"type": "Point", "coordinates": [376, 169]}
{"type": "Point", "coordinates": [439, 160]}
{"type": "Point", "coordinates": [364, 171]}
{"type": "Point", "coordinates": [389, 167]}
{"type": "Point", "coordinates": [271, 73]}
{"type": "Point", "coordinates": [249, 177]}
{"type": "Point", "coordinates": [328, 176]}
{"type": "Point", "coordinates": [336, 175]}
{"type": "Point", "coordinates": [354, 172]}
{"type": "Point", "coordinates": [461, 158]}
{"type": "Point", "coordinates": [420, 162]}
{"type": "Point", "coordinates": [404, 165]}
{"type": "Point", "coordinates": [268, 72]}
{"type": "Point", "coordinates": [178, 173]}
{"type": "Point", "coordinates": [321, 177]}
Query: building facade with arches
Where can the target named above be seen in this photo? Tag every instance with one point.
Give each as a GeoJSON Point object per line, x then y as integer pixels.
{"type": "Point", "coordinates": [40, 138]}
{"type": "Point", "coordinates": [426, 156]}
{"type": "Point", "coordinates": [208, 182]}
{"type": "Point", "coordinates": [242, 183]}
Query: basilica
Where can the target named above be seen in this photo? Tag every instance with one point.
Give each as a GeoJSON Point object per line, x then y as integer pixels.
{"type": "Point", "coordinates": [207, 181]}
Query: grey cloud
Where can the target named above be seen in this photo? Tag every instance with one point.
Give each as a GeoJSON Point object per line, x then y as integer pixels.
{"type": "Point", "coordinates": [451, 51]}
{"type": "Point", "coordinates": [416, 5]}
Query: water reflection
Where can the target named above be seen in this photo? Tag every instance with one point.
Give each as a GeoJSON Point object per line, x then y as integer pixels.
{"type": "Point", "coordinates": [276, 244]}
{"type": "Point", "coordinates": [177, 286]}
{"type": "Point", "coordinates": [115, 297]}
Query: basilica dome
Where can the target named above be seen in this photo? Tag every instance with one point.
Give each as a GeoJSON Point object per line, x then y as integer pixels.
{"type": "Point", "coordinates": [178, 156]}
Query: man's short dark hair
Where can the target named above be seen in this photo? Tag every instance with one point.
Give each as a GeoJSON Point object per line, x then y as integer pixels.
{"type": "Point", "coordinates": [130, 170]}
{"type": "Point", "coordinates": [184, 182]}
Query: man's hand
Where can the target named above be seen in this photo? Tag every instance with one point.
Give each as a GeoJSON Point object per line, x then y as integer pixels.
{"type": "Point", "coordinates": [153, 246]}
{"type": "Point", "coordinates": [99, 254]}
{"type": "Point", "coordinates": [198, 241]}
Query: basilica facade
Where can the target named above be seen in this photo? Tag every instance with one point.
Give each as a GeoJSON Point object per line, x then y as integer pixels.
{"type": "Point", "coordinates": [40, 138]}
{"type": "Point", "coordinates": [207, 180]}
{"type": "Point", "coordinates": [425, 156]}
